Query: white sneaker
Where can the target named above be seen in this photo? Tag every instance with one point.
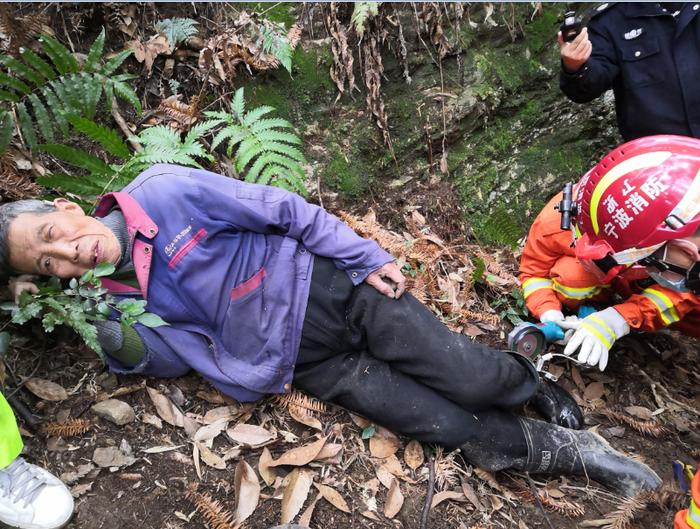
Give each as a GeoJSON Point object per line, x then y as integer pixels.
{"type": "Point", "coordinates": [32, 498]}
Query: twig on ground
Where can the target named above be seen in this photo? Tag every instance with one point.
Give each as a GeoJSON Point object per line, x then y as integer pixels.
{"type": "Point", "coordinates": [654, 385]}
{"type": "Point", "coordinates": [429, 493]}
{"type": "Point", "coordinates": [24, 412]}
{"type": "Point", "coordinates": [124, 127]}
{"type": "Point", "coordinates": [535, 493]}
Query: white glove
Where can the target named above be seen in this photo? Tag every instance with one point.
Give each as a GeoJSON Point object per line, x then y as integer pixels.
{"type": "Point", "coordinates": [552, 315]}
{"type": "Point", "coordinates": [595, 335]}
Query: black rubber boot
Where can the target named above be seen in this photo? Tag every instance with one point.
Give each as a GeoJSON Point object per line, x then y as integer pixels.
{"type": "Point", "coordinates": [553, 451]}
{"type": "Point", "coordinates": [556, 405]}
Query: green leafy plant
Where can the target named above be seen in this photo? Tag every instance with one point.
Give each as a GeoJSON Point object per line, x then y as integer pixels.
{"type": "Point", "coordinates": [500, 227]}
{"type": "Point", "coordinates": [43, 93]}
{"type": "Point", "coordinates": [362, 12]}
{"type": "Point", "coordinates": [78, 306]}
{"type": "Point", "coordinates": [177, 30]}
{"type": "Point", "coordinates": [264, 152]}
{"type": "Point", "coordinates": [161, 144]}
{"type": "Point", "coordinates": [275, 42]}
{"type": "Point", "coordinates": [511, 307]}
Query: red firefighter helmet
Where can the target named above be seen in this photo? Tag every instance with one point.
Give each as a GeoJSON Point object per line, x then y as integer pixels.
{"type": "Point", "coordinates": [642, 194]}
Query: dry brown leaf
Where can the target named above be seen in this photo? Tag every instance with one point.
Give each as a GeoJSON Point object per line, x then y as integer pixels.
{"type": "Point", "coordinates": [166, 409]}
{"type": "Point", "coordinates": [578, 379]}
{"type": "Point", "coordinates": [222, 412]}
{"type": "Point", "coordinates": [447, 495]}
{"type": "Point", "coordinates": [394, 500]}
{"type": "Point", "coordinates": [46, 390]}
{"type": "Point", "coordinates": [330, 453]}
{"type": "Point", "coordinates": [304, 417]}
{"type": "Point", "coordinates": [594, 390]}
{"type": "Point", "coordinates": [210, 458]}
{"type": "Point", "coordinates": [413, 454]}
{"type": "Point", "coordinates": [250, 434]}
{"type": "Point", "coordinates": [470, 494]}
{"type": "Point", "coordinates": [300, 456]}
{"type": "Point", "coordinates": [211, 431]}
{"type": "Point", "coordinates": [247, 490]}
{"type": "Point", "coordinates": [264, 467]}
{"type": "Point", "coordinates": [383, 443]}
{"type": "Point", "coordinates": [333, 497]}
{"type": "Point", "coordinates": [305, 518]}
{"type": "Point", "coordinates": [384, 476]}
{"type": "Point", "coordinates": [640, 412]}
{"type": "Point", "coordinates": [195, 458]}
{"type": "Point", "coordinates": [295, 493]}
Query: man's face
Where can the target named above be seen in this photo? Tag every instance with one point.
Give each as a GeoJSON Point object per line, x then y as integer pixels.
{"type": "Point", "coordinates": [63, 243]}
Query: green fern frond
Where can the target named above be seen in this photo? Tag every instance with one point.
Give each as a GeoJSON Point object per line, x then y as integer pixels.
{"type": "Point", "coordinates": [95, 53]}
{"type": "Point", "coordinates": [254, 115]}
{"type": "Point", "coordinates": [21, 69]}
{"type": "Point", "coordinates": [59, 55]}
{"type": "Point", "coordinates": [163, 154]}
{"type": "Point", "coordinates": [42, 118]}
{"type": "Point", "coordinates": [14, 83]}
{"type": "Point", "coordinates": [177, 30]}
{"type": "Point", "coordinates": [160, 135]}
{"type": "Point", "coordinates": [26, 126]}
{"type": "Point", "coordinates": [275, 43]}
{"type": "Point", "coordinates": [269, 123]}
{"type": "Point", "coordinates": [500, 227]}
{"type": "Point", "coordinates": [278, 135]}
{"type": "Point", "coordinates": [287, 150]}
{"type": "Point", "coordinates": [8, 96]}
{"type": "Point", "coordinates": [361, 13]}
{"type": "Point", "coordinates": [115, 62]}
{"type": "Point", "coordinates": [59, 113]}
{"type": "Point", "coordinates": [247, 151]}
{"type": "Point", "coordinates": [219, 116]}
{"type": "Point", "coordinates": [77, 157]}
{"type": "Point", "coordinates": [232, 133]}
{"type": "Point", "coordinates": [238, 104]}
{"type": "Point", "coordinates": [108, 138]}
{"type": "Point", "coordinates": [6, 129]}
{"type": "Point", "coordinates": [39, 64]}
{"type": "Point", "coordinates": [198, 131]}
{"type": "Point", "coordinates": [126, 93]}
{"type": "Point", "coordinates": [82, 186]}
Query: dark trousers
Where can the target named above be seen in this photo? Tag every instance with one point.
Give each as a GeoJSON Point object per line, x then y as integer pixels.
{"type": "Point", "coordinates": [395, 363]}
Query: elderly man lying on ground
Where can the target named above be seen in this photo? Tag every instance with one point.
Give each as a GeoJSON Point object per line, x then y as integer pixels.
{"type": "Point", "coordinates": [262, 290]}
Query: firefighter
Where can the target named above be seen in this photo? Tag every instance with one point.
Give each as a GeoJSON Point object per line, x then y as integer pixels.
{"type": "Point", "coordinates": [638, 212]}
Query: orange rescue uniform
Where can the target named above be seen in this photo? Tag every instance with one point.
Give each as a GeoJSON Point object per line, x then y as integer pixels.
{"type": "Point", "coordinates": [552, 278]}
{"type": "Point", "coordinates": [690, 518]}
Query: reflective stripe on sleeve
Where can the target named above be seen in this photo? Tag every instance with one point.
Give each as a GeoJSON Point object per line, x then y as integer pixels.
{"type": "Point", "coordinates": [598, 327]}
{"type": "Point", "coordinates": [576, 292]}
{"type": "Point", "coordinates": [535, 283]}
{"type": "Point", "coordinates": [693, 517]}
{"type": "Point", "coordinates": [663, 304]}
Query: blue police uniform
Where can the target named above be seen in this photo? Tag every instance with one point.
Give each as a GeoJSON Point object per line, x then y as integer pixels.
{"type": "Point", "coordinates": [649, 54]}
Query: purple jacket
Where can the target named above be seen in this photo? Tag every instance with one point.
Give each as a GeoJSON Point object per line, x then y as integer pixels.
{"type": "Point", "coordinates": [228, 265]}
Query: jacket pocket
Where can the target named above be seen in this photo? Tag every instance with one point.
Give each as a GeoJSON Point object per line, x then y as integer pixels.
{"type": "Point", "coordinates": [249, 285]}
{"type": "Point", "coordinates": [642, 63]}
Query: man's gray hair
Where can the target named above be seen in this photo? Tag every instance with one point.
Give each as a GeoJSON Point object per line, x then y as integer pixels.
{"type": "Point", "coordinates": [8, 213]}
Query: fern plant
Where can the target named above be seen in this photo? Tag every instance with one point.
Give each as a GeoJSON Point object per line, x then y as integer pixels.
{"type": "Point", "coordinates": [275, 42]}
{"type": "Point", "coordinates": [264, 151]}
{"type": "Point", "coordinates": [42, 93]}
{"type": "Point", "coordinates": [177, 30]}
{"type": "Point", "coordinates": [362, 12]}
{"type": "Point", "coordinates": [161, 144]}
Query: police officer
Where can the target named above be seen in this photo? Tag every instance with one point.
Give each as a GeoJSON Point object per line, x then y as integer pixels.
{"type": "Point", "coordinates": [649, 54]}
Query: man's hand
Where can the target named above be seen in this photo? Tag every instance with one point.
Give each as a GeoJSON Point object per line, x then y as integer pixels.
{"type": "Point", "coordinates": [19, 284]}
{"type": "Point", "coordinates": [574, 54]}
{"type": "Point", "coordinates": [391, 272]}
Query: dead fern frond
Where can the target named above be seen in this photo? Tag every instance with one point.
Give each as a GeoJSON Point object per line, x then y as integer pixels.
{"type": "Point", "coordinates": [214, 514]}
{"type": "Point", "coordinates": [622, 517]}
{"type": "Point", "coordinates": [650, 428]}
{"type": "Point", "coordinates": [67, 429]}
{"type": "Point", "coordinates": [669, 497]}
{"type": "Point", "coordinates": [446, 469]}
{"type": "Point", "coordinates": [564, 507]}
{"type": "Point", "coordinates": [176, 110]}
{"type": "Point", "coordinates": [301, 401]}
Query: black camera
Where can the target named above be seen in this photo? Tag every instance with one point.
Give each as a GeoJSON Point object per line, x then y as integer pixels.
{"type": "Point", "coordinates": [571, 26]}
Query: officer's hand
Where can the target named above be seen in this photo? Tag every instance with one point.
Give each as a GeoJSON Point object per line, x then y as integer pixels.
{"type": "Point", "coordinates": [595, 335]}
{"type": "Point", "coordinates": [396, 284]}
{"type": "Point", "coordinates": [552, 315]}
{"type": "Point", "coordinates": [19, 284]}
{"type": "Point", "coordinates": [574, 54]}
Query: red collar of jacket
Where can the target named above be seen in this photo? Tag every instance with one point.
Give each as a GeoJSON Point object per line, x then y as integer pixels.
{"type": "Point", "coordinates": [137, 221]}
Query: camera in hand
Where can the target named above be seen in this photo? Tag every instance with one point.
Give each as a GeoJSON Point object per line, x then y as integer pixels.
{"type": "Point", "coordinates": [571, 26]}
